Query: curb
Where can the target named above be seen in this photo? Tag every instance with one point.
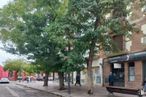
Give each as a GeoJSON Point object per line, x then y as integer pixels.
{"type": "Point", "coordinates": [59, 95]}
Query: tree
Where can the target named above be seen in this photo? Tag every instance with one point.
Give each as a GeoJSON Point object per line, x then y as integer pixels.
{"type": "Point", "coordinates": [43, 29]}
{"type": "Point", "coordinates": [29, 69]}
{"type": "Point", "coordinates": [25, 24]}
{"type": "Point", "coordinates": [64, 29]}
{"type": "Point", "coordinates": [86, 23]}
{"type": "Point", "coordinates": [15, 65]}
{"type": "Point", "coordinates": [95, 27]}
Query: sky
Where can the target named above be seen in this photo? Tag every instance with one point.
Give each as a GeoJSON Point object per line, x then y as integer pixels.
{"type": "Point", "coordinates": [3, 54]}
{"type": "Point", "coordinates": [3, 2]}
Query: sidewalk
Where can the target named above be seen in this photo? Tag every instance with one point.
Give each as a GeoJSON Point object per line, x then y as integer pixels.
{"type": "Point", "coordinates": [76, 91]}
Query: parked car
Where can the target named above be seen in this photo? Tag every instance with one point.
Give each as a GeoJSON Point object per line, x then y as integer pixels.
{"type": "Point", "coordinates": [39, 79]}
{"type": "Point", "coordinates": [50, 78]}
{"type": "Point", "coordinates": [4, 80]}
{"type": "Point", "coordinates": [19, 78]}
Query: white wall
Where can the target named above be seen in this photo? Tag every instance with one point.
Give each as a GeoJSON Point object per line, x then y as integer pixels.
{"type": "Point", "coordinates": [97, 72]}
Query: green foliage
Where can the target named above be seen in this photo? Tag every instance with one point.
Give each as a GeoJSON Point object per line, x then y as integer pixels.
{"type": "Point", "coordinates": [97, 26]}
{"type": "Point", "coordinates": [43, 29]}
{"type": "Point", "coordinates": [29, 68]}
{"type": "Point", "coordinates": [143, 3]}
{"type": "Point", "coordinates": [14, 65]}
{"type": "Point", "coordinates": [19, 65]}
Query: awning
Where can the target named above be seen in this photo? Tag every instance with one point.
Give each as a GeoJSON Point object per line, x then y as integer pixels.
{"type": "Point", "coordinates": [137, 56]}
{"type": "Point", "coordinates": [118, 59]}
{"type": "Point", "coordinates": [129, 57]}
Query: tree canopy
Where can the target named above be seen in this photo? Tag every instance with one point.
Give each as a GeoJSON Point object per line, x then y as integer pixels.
{"type": "Point", "coordinates": [14, 65]}
{"type": "Point", "coordinates": [59, 33]}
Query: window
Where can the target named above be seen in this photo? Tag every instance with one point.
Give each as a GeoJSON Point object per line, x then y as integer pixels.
{"type": "Point", "coordinates": [118, 40]}
{"type": "Point", "coordinates": [131, 71]}
{"type": "Point", "coordinates": [143, 28]}
{"type": "Point", "coordinates": [144, 40]}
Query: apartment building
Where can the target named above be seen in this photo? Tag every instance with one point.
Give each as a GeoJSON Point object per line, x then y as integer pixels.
{"type": "Point", "coordinates": [129, 67]}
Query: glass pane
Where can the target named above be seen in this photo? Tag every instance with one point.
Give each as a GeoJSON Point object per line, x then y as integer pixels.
{"type": "Point", "coordinates": [131, 78]}
{"type": "Point", "coordinates": [131, 71]}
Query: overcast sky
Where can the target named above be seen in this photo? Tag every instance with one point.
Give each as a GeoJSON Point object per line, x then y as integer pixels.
{"type": "Point", "coordinates": [3, 2]}
{"type": "Point", "coordinates": [3, 54]}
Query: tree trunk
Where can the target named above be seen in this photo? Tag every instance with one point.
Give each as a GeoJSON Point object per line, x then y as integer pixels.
{"type": "Point", "coordinates": [72, 78]}
{"type": "Point", "coordinates": [61, 80]}
{"type": "Point", "coordinates": [53, 76]}
{"type": "Point", "coordinates": [15, 75]}
{"type": "Point", "coordinates": [89, 76]}
{"type": "Point", "coordinates": [89, 68]}
{"type": "Point", "coordinates": [90, 60]}
{"type": "Point", "coordinates": [46, 79]}
{"type": "Point", "coordinates": [69, 88]}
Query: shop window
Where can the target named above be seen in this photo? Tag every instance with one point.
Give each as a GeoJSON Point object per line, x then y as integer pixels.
{"type": "Point", "coordinates": [131, 71]}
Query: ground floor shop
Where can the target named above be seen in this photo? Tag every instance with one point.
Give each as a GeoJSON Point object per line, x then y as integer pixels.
{"type": "Point", "coordinates": [129, 70]}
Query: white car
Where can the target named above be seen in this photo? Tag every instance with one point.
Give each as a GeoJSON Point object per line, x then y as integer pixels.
{"type": "Point", "coordinates": [4, 80]}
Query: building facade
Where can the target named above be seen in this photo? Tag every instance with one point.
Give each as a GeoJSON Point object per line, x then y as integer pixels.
{"type": "Point", "coordinates": [96, 71]}
{"type": "Point", "coordinates": [3, 73]}
{"type": "Point", "coordinates": [129, 68]}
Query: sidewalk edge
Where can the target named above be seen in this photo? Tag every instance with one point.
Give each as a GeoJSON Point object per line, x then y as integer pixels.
{"type": "Point", "coordinates": [60, 95]}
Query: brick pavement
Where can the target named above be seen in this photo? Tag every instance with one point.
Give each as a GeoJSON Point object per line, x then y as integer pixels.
{"type": "Point", "coordinates": [76, 91]}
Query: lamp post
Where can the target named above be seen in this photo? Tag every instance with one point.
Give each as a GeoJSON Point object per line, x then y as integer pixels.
{"type": "Point", "coordinates": [68, 73]}
{"type": "Point", "coordinates": [69, 88]}
{"type": "Point", "coordinates": [68, 48]}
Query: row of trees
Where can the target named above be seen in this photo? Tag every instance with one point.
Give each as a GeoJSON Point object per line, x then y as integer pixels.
{"type": "Point", "coordinates": [59, 33]}
{"type": "Point", "coordinates": [19, 66]}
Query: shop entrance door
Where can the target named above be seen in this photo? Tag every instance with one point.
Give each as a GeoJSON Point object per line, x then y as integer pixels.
{"type": "Point", "coordinates": [118, 72]}
{"type": "Point", "coordinates": [144, 70]}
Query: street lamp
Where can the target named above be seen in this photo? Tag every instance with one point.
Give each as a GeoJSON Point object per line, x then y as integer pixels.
{"type": "Point", "coordinates": [69, 88]}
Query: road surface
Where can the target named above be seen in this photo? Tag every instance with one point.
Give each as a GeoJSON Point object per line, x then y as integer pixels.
{"type": "Point", "coordinates": [13, 90]}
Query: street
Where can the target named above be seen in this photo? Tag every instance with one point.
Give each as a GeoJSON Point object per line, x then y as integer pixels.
{"type": "Point", "coordinates": [13, 90]}
{"type": "Point", "coordinates": [76, 91]}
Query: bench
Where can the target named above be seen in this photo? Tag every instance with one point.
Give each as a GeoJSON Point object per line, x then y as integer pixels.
{"type": "Point", "coordinates": [112, 89]}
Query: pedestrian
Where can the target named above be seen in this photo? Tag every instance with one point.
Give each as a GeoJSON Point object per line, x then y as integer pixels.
{"type": "Point", "coordinates": [111, 79]}
{"type": "Point", "coordinates": [28, 79]}
{"type": "Point", "coordinates": [78, 79]}
{"type": "Point", "coordinates": [144, 85]}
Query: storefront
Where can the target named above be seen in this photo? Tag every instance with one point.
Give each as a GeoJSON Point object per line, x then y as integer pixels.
{"type": "Point", "coordinates": [129, 70]}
